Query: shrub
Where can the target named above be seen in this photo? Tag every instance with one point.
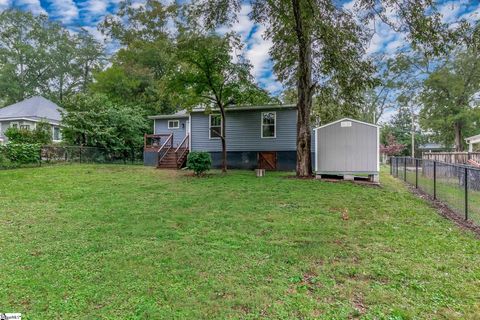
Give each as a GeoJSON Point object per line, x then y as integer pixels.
{"type": "Point", "coordinates": [199, 162]}
{"type": "Point", "coordinates": [21, 153]}
{"type": "Point", "coordinates": [41, 134]}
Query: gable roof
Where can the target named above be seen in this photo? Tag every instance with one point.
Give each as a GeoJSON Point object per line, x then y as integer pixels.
{"type": "Point", "coordinates": [348, 119]}
{"type": "Point", "coordinates": [180, 114]}
{"type": "Point", "coordinates": [184, 113]}
{"type": "Point", "coordinates": [35, 108]}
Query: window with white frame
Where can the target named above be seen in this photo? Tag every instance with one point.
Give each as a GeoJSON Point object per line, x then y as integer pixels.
{"type": "Point", "coordinates": [215, 126]}
{"type": "Point", "coordinates": [14, 125]}
{"type": "Point", "coordinates": [57, 134]}
{"type": "Point", "coordinates": [173, 124]}
{"type": "Point", "coordinates": [269, 124]}
{"type": "Point", "coordinates": [24, 126]}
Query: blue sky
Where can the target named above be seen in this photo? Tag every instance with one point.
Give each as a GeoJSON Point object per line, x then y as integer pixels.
{"type": "Point", "coordinates": [87, 13]}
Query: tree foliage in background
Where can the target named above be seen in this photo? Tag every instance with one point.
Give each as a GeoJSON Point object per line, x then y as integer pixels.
{"type": "Point", "coordinates": [451, 95]}
{"type": "Point", "coordinates": [95, 121]}
{"type": "Point", "coordinates": [318, 46]}
{"type": "Point", "coordinates": [39, 57]}
{"type": "Point", "coordinates": [42, 134]}
{"type": "Point", "coordinates": [138, 72]}
{"type": "Point", "coordinates": [207, 76]}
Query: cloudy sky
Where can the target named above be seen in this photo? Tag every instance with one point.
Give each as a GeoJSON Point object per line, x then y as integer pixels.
{"type": "Point", "coordinates": [87, 13]}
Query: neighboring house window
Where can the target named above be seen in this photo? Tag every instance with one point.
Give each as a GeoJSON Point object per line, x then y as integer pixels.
{"type": "Point", "coordinates": [57, 134]}
{"type": "Point", "coordinates": [173, 124]}
{"type": "Point", "coordinates": [14, 125]}
{"type": "Point", "coordinates": [215, 126]}
{"type": "Point", "coordinates": [25, 127]}
{"type": "Point", "coordinates": [269, 124]}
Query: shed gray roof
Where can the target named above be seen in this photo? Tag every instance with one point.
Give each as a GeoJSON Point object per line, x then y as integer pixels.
{"type": "Point", "coordinates": [35, 108]}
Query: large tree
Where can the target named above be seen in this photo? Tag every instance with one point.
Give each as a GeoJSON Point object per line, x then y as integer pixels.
{"type": "Point", "coordinates": [208, 76]}
{"type": "Point", "coordinates": [318, 44]}
{"type": "Point", "coordinates": [451, 94]}
{"type": "Point", "coordinates": [146, 55]}
{"type": "Point", "coordinates": [38, 56]}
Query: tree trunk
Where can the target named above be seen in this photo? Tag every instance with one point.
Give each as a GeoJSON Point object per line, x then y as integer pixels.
{"type": "Point", "coordinates": [458, 137]}
{"type": "Point", "coordinates": [224, 143]}
{"type": "Point", "coordinates": [304, 91]}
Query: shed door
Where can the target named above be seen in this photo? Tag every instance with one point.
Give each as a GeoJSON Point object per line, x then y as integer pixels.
{"type": "Point", "coordinates": [267, 160]}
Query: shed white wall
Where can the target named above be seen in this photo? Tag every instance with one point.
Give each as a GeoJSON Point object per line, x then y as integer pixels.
{"type": "Point", "coordinates": [348, 149]}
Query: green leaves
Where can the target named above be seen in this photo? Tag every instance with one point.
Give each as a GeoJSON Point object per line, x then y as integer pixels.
{"type": "Point", "coordinates": [38, 56]}
{"type": "Point", "coordinates": [94, 120]}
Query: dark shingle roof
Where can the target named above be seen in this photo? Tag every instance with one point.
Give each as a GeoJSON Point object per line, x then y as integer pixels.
{"type": "Point", "coordinates": [35, 108]}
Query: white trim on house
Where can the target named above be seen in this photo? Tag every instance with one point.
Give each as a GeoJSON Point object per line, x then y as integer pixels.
{"type": "Point", "coordinates": [17, 119]}
{"type": "Point", "coordinates": [210, 126]}
{"type": "Point", "coordinates": [274, 125]}
{"type": "Point", "coordinates": [347, 119]}
{"type": "Point", "coordinates": [175, 124]}
{"type": "Point", "coordinates": [189, 132]}
{"type": "Point", "coordinates": [316, 153]}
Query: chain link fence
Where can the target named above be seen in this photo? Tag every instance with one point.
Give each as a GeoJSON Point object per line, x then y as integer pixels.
{"type": "Point", "coordinates": [458, 186]}
{"type": "Point", "coordinates": [79, 154]}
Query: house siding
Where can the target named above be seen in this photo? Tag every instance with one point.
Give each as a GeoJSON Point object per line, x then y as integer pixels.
{"type": "Point", "coordinates": [4, 125]}
{"type": "Point", "coordinates": [243, 132]}
{"type": "Point", "coordinates": [161, 127]}
{"type": "Point", "coordinates": [347, 149]}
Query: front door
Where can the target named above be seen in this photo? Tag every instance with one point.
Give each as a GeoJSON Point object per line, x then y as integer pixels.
{"type": "Point", "coordinates": [267, 160]}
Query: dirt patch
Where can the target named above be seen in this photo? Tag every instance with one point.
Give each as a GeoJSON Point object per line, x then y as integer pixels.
{"type": "Point", "coordinates": [446, 212]}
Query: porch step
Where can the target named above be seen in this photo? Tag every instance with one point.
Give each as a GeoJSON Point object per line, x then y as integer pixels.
{"type": "Point", "coordinates": [169, 161]}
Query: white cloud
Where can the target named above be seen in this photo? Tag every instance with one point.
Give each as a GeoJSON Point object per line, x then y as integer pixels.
{"type": "Point", "coordinates": [65, 10]}
{"type": "Point", "coordinates": [33, 6]}
{"type": "Point", "coordinates": [256, 49]}
{"type": "Point", "coordinates": [4, 4]}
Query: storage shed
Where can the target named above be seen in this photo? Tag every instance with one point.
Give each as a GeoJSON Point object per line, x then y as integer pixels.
{"type": "Point", "coordinates": [348, 148]}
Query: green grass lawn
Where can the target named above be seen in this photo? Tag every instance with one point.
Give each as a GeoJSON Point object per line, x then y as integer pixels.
{"type": "Point", "coordinates": [130, 242]}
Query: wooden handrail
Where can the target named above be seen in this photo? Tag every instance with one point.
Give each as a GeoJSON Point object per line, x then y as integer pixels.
{"type": "Point", "coordinates": [170, 138]}
{"type": "Point", "coordinates": [181, 143]}
{"type": "Point", "coordinates": [185, 150]}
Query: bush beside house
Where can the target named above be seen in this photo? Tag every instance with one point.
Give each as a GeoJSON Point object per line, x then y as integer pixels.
{"type": "Point", "coordinates": [199, 162]}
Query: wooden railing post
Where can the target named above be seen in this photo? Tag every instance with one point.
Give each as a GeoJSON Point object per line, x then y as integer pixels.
{"type": "Point", "coordinates": [435, 180]}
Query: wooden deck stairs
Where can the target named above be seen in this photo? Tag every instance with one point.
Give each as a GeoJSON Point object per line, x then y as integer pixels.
{"type": "Point", "coordinates": [173, 159]}
{"type": "Point", "coordinates": [168, 156]}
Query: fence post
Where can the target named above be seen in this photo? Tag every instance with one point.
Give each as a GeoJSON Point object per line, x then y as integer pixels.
{"type": "Point", "coordinates": [80, 154]}
{"type": "Point", "coordinates": [391, 166]}
{"type": "Point", "coordinates": [416, 173]}
{"type": "Point", "coordinates": [40, 158]}
{"type": "Point", "coordinates": [396, 167]}
{"type": "Point", "coordinates": [435, 180]}
{"type": "Point", "coordinates": [405, 169]}
{"type": "Point", "coordinates": [466, 193]}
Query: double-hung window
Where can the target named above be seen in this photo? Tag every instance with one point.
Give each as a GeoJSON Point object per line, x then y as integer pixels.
{"type": "Point", "coordinates": [215, 126]}
{"type": "Point", "coordinates": [57, 135]}
{"type": "Point", "coordinates": [173, 124]}
{"type": "Point", "coordinates": [269, 124]}
{"type": "Point", "coordinates": [25, 126]}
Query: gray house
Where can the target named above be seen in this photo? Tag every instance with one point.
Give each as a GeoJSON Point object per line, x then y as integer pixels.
{"type": "Point", "coordinates": [27, 113]}
{"type": "Point", "coordinates": [256, 136]}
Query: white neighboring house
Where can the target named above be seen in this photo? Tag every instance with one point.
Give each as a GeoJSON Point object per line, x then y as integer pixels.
{"type": "Point", "coordinates": [27, 113]}
{"type": "Point", "coordinates": [471, 141]}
